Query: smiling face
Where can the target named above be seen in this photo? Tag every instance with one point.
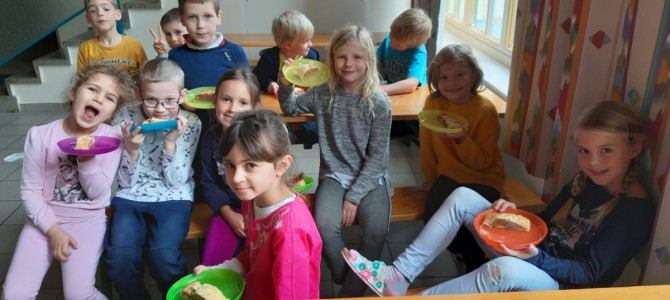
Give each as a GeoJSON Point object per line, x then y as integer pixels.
{"type": "Point", "coordinates": [299, 46]}
{"type": "Point", "coordinates": [604, 157]}
{"type": "Point", "coordinates": [255, 180]}
{"type": "Point", "coordinates": [102, 14]}
{"type": "Point", "coordinates": [201, 21]}
{"type": "Point", "coordinates": [174, 33]}
{"type": "Point", "coordinates": [350, 67]}
{"type": "Point", "coordinates": [455, 80]}
{"type": "Point", "coordinates": [233, 97]}
{"type": "Point", "coordinates": [93, 102]}
{"type": "Point", "coordinates": [163, 91]}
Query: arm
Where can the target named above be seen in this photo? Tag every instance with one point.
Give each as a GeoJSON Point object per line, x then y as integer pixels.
{"type": "Point", "coordinates": [291, 267]}
{"type": "Point", "coordinates": [177, 165]}
{"type": "Point", "coordinates": [293, 105]}
{"type": "Point", "coordinates": [266, 70]}
{"type": "Point", "coordinates": [624, 233]}
{"type": "Point", "coordinates": [96, 175]}
{"type": "Point", "coordinates": [376, 159]}
{"type": "Point", "coordinates": [404, 86]}
{"type": "Point", "coordinates": [478, 149]}
{"type": "Point", "coordinates": [32, 182]}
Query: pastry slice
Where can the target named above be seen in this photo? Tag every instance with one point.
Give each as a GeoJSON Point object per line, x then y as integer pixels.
{"type": "Point", "coordinates": [84, 142]}
{"type": "Point", "coordinates": [507, 221]}
{"type": "Point", "coordinates": [306, 70]}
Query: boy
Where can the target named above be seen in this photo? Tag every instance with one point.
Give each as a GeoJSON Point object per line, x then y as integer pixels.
{"type": "Point", "coordinates": [292, 32]}
{"type": "Point", "coordinates": [174, 33]}
{"type": "Point", "coordinates": [109, 46]}
{"type": "Point", "coordinates": [206, 55]}
{"type": "Point", "coordinates": [152, 207]}
{"type": "Point", "coordinates": [401, 57]}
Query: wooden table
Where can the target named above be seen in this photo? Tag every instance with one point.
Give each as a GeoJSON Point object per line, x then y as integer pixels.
{"type": "Point", "coordinates": [266, 39]}
{"type": "Point", "coordinates": [651, 292]}
{"type": "Point", "coordinates": [403, 107]}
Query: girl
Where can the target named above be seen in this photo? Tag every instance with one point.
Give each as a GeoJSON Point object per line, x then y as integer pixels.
{"type": "Point", "coordinates": [597, 223]}
{"type": "Point", "coordinates": [472, 158]}
{"type": "Point", "coordinates": [354, 121]}
{"type": "Point", "coordinates": [282, 254]}
{"type": "Point", "coordinates": [236, 91]}
{"type": "Point", "coordinates": [66, 211]}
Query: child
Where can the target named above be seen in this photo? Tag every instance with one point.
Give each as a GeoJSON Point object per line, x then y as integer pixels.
{"type": "Point", "coordinates": [237, 91]}
{"type": "Point", "coordinates": [471, 158]}
{"type": "Point", "coordinates": [174, 33]}
{"type": "Point", "coordinates": [292, 31]}
{"type": "Point", "coordinates": [109, 46]}
{"type": "Point", "coordinates": [596, 224]}
{"type": "Point", "coordinates": [401, 57]}
{"type": "Point", "coordinates": [206, 54]}
{"type": "Point", "coordinates": [354, 119]}
{"type": "Point", "coordinates": [65, 195]}
{"type": "Point", "coordinates": [282, 255]}
{"type": "Point", "coordinates": [152, 207]}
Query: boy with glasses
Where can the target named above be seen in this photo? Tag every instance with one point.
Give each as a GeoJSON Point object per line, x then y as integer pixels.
{"type": "Point", "coordinates": [152, 207]}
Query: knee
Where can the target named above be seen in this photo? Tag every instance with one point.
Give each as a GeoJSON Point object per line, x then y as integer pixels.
{"type": "Point", "coordinates": [118, 258]}
{"type": "Point", "coordinates": [159, 258]}
{"type": "Point", "coordinates": [502, 269]}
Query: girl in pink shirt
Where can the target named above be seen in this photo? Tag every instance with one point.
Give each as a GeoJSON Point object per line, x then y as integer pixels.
{"type": "Point", "coordinates": [65, 195]}
{"type": "Point", "coordinates": [282, 254]}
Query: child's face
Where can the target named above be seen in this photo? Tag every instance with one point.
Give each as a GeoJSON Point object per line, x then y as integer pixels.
{"type": "Point", "coordinates": [252, 180]}
{"type": "Point", "coordinates": [174, 33]}
{"type": "Point", "coordinates": [604, 157]}
{"type": "Point", "coordinates": [350, 68]}
{"type": "Point", "coordinates": [93, 102]}
{"type": "Point", "coordinates": [398, 44]}
{"type": "Point", "coordinates": [297, 47]}
{"type": "Point", "coordinates": [166, 97]}
{"type": "Point", "coordinates": [102, 14]}
{"type": "Point", "coordinates": [233, 97]}
{"type": "Point", "coordinates": [455, 80]}
{"type": "Point", "coordinates": [201, 21]}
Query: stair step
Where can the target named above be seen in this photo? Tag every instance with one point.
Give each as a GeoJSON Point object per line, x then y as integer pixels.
{"type": "Point", "coordinates": [75, 41]}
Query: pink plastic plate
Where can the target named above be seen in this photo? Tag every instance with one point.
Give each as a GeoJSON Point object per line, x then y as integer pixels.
{"type": "Point", "coordinates": [102, 145]}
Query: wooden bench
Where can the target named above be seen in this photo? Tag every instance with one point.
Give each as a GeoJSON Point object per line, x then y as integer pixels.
{"type": "Point", "coordinates": [407, 204]}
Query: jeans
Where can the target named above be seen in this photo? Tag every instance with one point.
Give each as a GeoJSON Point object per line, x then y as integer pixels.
{"type": "Point", "coordinates": [502, 273]}
{"type": "Point", "coordinates": [373, 217]}
{"type": "Point", "coordinates": [141, 230]}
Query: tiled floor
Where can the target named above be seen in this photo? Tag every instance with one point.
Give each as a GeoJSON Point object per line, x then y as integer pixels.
{"type": "Point", "coordinates": [403, 167]}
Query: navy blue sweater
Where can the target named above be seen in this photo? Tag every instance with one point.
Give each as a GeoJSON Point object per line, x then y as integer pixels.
{"type": "Point", "coordinates": [580, 255]}
{"type": "Point", "coordinates": [215, 190]}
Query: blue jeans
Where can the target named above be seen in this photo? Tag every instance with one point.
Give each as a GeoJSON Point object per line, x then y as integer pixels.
{"type": "Point", "coordinates": [502, 273]}
{"type": "Point", "coordinates": [141, 230]}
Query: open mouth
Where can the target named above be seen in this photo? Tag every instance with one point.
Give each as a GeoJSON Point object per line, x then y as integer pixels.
{"type": "Point", "coordinates": [90, 112]}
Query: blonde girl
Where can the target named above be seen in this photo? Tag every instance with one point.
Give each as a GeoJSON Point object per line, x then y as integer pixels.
{"type": "Point", "coordinates": [469, 159]}
{"type": "Point", "coordinates": [65, 196]}
{"type": "Point", "coordinates": [597, 222]}
{"type": "Point", "coordinates": [236, 91]}
{"type": "Point", "coordinates": [354, 121]}
{"type": "Point", "coordinates": [282, 254]}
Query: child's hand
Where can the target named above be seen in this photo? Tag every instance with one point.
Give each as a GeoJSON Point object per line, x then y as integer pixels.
{"type": "Point", "coordinates": [273, 88]}
{"type": "Point", "coordinates": [60, 241]}
{"type": "Point", "coordinates": [281, 79]}
{"type": "Point", "coordinates": [132, 140]}
{"type": "Point", "coordinates": [457, 137]}
{"type": "Point", "coordinates": [160, 44]}
{"type": "Point", "coordinates": [170, 139]}
{"type": "Point", "coordinates": [188, 107]}
{"type": "Point", "coordinates": [199, 269]}
{"type": "Point", "coordinates": [234, 220]}
{"type": "Point", "coordinates": [502, 205]}
{"type": "Point", "coordinates": [521, 254]}
{"type": "Point", "coordinates": [348, 213]}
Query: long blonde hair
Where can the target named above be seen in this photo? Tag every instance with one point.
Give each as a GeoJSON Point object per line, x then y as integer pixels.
{"type": "Point", "coordinates": [358, 35]}
{"type": "Point", "coordinates": [615, 118]}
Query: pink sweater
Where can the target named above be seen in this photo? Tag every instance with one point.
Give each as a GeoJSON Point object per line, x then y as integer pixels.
{"type": "Point", "coordinates": [54, 185]}
{"type": "Point", "coordinates": [282, 254]}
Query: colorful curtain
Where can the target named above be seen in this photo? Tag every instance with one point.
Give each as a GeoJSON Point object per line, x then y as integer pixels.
{"type": "Point", "coordinates": [571, 54]}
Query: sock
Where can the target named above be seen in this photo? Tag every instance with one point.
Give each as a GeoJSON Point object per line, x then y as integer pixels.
{"type": "Point", "coordinates": [395, 283]}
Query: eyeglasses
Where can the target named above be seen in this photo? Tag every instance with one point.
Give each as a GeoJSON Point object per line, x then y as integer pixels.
{"type": "Point", "coordinates": [168, 103]}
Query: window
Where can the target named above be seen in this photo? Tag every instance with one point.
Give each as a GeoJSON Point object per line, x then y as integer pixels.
{"type": "Point", "coordinates": [487, 25]}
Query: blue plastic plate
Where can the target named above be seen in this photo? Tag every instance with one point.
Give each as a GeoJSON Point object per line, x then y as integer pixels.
{"type": "Point", "coordinates": [156, 126]}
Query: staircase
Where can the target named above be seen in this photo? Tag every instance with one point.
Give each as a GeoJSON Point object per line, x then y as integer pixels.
{"type": "Point", "coordinates": [50, 74]}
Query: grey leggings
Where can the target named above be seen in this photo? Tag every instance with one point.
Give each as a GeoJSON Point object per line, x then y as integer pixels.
{"type": "Point", "coordinates": [373, 217]}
